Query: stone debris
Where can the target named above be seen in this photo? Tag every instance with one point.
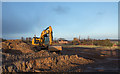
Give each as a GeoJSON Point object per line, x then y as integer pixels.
{"type": "Point", "coordinates": [41, 61]}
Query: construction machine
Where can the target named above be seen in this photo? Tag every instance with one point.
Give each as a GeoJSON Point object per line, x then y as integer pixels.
{"type": "Point", "coordinates": [40, 41]}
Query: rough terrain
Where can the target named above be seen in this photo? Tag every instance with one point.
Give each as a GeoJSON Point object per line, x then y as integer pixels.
{"type": "Point", "coordinates": [19, 56]}
{"type": "Point", "coordinates": [104, 60]}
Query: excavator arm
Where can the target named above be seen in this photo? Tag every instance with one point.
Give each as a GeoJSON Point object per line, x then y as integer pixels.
{"type": "Point", "coordinates": [41, 41]}
{"type": "Point", "coordinates": [44, 33]}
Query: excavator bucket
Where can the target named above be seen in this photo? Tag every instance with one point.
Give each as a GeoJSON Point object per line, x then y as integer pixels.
{"type": "Point", "coordinates": [55, 48]}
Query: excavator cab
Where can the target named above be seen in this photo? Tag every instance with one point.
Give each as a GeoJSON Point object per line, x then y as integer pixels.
{"type": "Point", "coordinates": [35, 41]}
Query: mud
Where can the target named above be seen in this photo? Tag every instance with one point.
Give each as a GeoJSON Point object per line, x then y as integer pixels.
{"type": "Point", "coordinates": [19, 56]}
{"type": "Point", "coordinates": [104, 60]}
{"type": "Point", "coordinates": [23, 58]}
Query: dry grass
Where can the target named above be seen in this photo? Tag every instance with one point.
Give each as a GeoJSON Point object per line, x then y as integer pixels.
{"type": "Point", "coordinates": [91, 46]}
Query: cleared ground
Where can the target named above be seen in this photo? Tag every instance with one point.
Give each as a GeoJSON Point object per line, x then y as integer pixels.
{"type": "Point", "coordinates": [19, 56]}
{"type": "Point", "coordinates": [104, 60]}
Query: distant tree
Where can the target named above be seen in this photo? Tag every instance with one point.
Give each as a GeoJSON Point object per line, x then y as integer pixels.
{"type": "Point", "coordinates": [30, 38]}
{"type": "Point", "coordinates": [86, 42]}
{"type": "Point", "coordinates": [22, 38]}
{"type": "Point", "coordinates": [108, 43]}
{"type": "Point", "coordinates": [27, 39]}
{"type": "Point", "coordinates": [105, 42]}
{"type": "Point", "coordinates": [118, 44]}
{"type": "Point", "coordinates": [3, 40]}
{"type": "Point", "coordinates": [75, 42]}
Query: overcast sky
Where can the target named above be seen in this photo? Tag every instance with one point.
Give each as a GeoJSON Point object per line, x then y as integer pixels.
{"type": "Point", "coordinates": [97, 20]}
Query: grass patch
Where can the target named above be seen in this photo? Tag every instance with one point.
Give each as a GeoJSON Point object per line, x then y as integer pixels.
{"type": "Point", "coordinates": [90, 46]}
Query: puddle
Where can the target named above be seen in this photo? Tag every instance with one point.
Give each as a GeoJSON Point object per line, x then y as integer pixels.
{"type": "Point", "coordinates": [86, 52]}
{"type": "Point", "coordinates": [100, 69]}
{"type": "Point", "coordinates": [112, 58]}
{"type": "Point", "coordinates": [105, 60]}
{"type": "Point", "coordinates": [109, 52]}
{"type": "Point", "coordinates": [103, 68]}
{"type": "Point", "coordinates": [103, 52]}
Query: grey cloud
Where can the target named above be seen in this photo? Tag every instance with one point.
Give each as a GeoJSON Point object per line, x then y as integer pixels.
{"type": "Point", "coordinates": [18, 23]}
{"type": "Point", "coordinates": [100, 13]}
{"type": "Point", "coordinates": [61, 9]}
{"type": "Point", "coordinates": [15, 24]}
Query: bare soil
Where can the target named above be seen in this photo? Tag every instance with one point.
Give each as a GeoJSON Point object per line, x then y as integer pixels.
{"type": "Point", "coordinates": [104, 60]}
{"type": "Point", "coordinates": [19, 56]}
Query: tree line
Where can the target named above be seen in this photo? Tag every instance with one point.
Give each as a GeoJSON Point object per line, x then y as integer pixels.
{"type": "Point", "coordinates": [105, 42]}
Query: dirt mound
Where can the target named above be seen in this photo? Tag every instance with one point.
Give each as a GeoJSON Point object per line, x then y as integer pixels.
{"type": "Point", "coordinates": [43, 61]}
{"type": "Point", "coordinates": [40, 61]}
{"type": "Point", "coordinates": [16, 47]}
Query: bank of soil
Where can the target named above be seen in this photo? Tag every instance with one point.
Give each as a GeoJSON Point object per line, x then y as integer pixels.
{"type": "Point", "coordinates": [20, 56]}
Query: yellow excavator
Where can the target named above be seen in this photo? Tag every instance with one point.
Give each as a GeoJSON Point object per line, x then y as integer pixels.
{"type": "Point", "coordinates": [40, 41]}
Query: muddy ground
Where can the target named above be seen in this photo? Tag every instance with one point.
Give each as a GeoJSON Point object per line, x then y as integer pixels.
{"type": "Point", "coordinates": [104, 60]}
{"type": "Point", "coordinates": [19, 56]}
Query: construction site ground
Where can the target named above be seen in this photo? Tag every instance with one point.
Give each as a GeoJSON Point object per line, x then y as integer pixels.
{"type": "Point", "coordinates": [19, 56]}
